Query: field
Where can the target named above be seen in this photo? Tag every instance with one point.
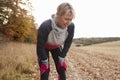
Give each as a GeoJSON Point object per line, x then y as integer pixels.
{"type": "Point", "coordinates": [94, 62]}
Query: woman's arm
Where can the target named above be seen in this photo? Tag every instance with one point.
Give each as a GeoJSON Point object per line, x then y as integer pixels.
{"type": "Point", "coordinates": [68, 41]}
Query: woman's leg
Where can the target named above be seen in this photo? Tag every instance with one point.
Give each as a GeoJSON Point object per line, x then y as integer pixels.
{"type": "Point", "coordinates": [61, 71]}
{"type": "Point", "coordinates": [44, 71]}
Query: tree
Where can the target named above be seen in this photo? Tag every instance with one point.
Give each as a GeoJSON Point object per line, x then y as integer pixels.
{"type": "Point", "coordinates": [16, 22]}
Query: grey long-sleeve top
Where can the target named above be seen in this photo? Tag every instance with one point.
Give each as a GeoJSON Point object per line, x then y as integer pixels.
{"type": "Point", "coordinates": [42, 37]}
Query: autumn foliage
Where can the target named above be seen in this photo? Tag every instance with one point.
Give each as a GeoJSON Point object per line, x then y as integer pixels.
{"type": "Point", "coordinates": [16, 22]}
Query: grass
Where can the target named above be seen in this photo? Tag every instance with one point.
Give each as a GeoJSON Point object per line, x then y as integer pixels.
{"type": "Point", "coordinates": [17, 60]}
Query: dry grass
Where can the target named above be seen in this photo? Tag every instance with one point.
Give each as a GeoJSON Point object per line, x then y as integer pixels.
{"type": "Point", "coordinates": [96, 62]}
{"type": "Point", "coordinates": [17, 60]}
{"type": "Point", "coordinates": [108, 48]}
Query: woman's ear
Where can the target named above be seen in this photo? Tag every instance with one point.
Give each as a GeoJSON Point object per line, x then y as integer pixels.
{"type": "Point", "coordinates": [57, 13]}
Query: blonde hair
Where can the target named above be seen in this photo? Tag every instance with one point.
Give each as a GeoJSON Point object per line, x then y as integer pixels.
{"type": "Point", "coordinates": [63, 8]}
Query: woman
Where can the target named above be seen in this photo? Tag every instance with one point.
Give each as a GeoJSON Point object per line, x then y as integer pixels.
{"type": "Point", "coordinates": [55, 35]}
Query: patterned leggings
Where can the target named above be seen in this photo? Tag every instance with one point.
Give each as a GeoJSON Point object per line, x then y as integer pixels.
{"type": "Point", "coordinates": [61, 71]}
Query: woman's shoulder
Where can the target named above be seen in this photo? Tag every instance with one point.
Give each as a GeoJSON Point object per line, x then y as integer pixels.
{"type": "Point", "coordinates": [71, 26]}
{"type": "Point", "coordinates": [45, 24]}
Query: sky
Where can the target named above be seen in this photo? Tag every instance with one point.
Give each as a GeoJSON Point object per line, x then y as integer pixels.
{"type": "Point", "coordinates": [93, 18]}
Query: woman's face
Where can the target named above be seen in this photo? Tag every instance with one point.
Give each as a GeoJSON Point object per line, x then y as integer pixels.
{"type": "Point", "coordinates": [64, 20]}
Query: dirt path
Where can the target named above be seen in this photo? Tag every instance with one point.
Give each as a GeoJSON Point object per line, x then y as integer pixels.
{"type": "Point", "coordinates": [95, 66]}
{"type": "Point", "coordinates": [85, 64]}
